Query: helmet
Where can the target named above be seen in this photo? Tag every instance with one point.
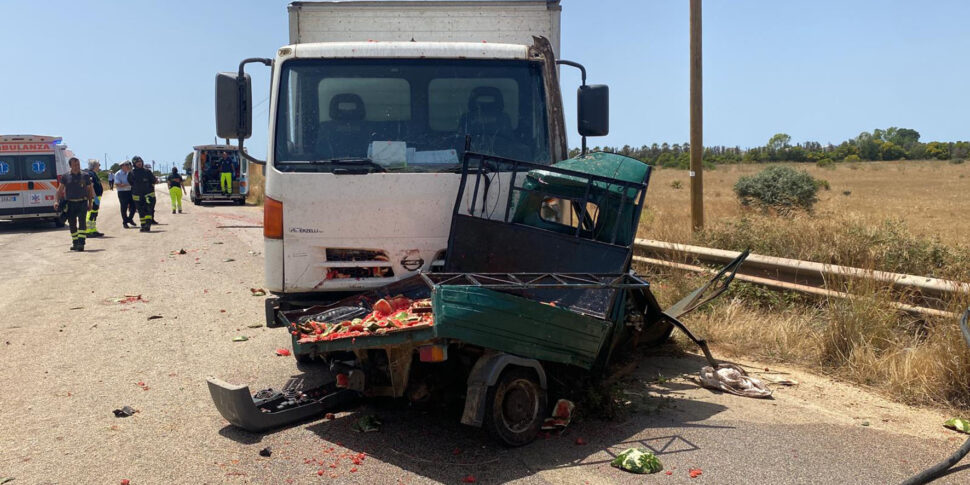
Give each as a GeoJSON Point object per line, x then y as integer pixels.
{"type": "Point", "coordinates": [136, 159]}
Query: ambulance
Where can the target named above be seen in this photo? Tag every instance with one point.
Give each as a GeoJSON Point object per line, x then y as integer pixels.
{"type": "Point", "coordinates": [29, 169]}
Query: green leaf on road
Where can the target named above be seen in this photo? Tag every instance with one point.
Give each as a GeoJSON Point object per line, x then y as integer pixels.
{"type": "Point", "coordinates": [241, 338]}
{"type": "Point", "coordinates": [637, 461]}
{"type": "Point", "coordinates": [961, 425]}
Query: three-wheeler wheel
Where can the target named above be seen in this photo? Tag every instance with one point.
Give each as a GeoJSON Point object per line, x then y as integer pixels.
{"type": "Point", "coordinates": [516, 407]}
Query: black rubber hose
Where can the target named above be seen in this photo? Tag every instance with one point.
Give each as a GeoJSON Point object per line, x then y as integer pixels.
{"type": "Point", "coordinates": [935, 471]}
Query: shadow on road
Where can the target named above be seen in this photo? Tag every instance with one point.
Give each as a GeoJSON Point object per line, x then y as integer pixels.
{"type": "Point", "coordinates": [431, 442]}
{"type": "Point", "coordinates": [29, 226]}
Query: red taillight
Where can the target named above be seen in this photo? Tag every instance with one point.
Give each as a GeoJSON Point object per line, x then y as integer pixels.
{"type": "Point", "coordinates": [272, 218]}
{"type": "Point", "coordinates": [195, 175]}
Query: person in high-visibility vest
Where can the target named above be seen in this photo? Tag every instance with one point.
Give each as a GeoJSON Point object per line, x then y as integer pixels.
{"type": "Point", "coordinates": [76, 193]}
{"type": "Point", "coordinates": [225, 174]}
{"type": "Point", "coordinates": [92, 222]}
{"type": "Point", "coordinates": [143, 192]}
{"type": "Point", "coordinates": [175, 189]}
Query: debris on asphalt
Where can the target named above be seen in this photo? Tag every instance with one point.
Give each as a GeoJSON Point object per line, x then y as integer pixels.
{"type": "Point", "coordinates": [282, 352]}
{"type": "Point", "coordinates": [76, 308]}
{"type": "Point", "coordinates": [266, 452]}
{"type": "Point", "coordinates": [637, 460]}
{"type": "Point", "coordinates": [367, 424]}
{"type": "Point", "coordinates": [958, 424]}
{"type": "Point", "coordinates": [5, 480]}
{"type": "Point", "coordinates": [125, 481]}
{"type": "Point", "coordinates": [731, 378]}
{"type": "Point", "coordinates": [329, 416]}
{"type": "Point", "coordinates": [124, 412]}
{"type": "Point", "coordinates": [562, 414]}
{"type": "Point", "coordinates": [228, 260]}
{"type": "Point", "coordinates": [469, 479]}
{"type": "Point", "coordinates": [127, 299]}
{"type": "Point", "coordinates": [865, 423]}
{"type": "Point", "coordinates": [257, 291]}
{"type": "Point", "coordinates": [240, 338]}
{"type": "Point", "coordinates": [154, 317]}
{"type": "Point", "coordinates": [695, 472]}
{"type": "Point", "coordinates": [143, 386]}
{"type": "Point", "coordinates": [180, 251]}
{"type": "Point", "coordinates": [580, 441]}
{"type": "Point", "coordinates": [254, 325]}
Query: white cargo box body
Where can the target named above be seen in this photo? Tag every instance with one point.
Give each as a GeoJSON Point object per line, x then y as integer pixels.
{"type": "Point", "coordinates": [499, 22]}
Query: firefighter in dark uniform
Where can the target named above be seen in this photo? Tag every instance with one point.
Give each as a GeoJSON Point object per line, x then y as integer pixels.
{"type": "Point", "coordinates": [77, 193]}
{"type": "Point", "coordinates": [143, 192]}
{"type": "Point", "coordinates": [92, 221]}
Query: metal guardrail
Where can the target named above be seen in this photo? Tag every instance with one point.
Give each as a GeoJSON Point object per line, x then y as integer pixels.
{"type": "Point", "coordinates": [916, 294]}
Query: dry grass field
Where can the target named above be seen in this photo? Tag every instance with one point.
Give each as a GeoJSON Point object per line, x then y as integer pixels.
{"type": "Point", "coordinates": [910, 217]}
{"type": "Point", "coordinates": [931, 197]}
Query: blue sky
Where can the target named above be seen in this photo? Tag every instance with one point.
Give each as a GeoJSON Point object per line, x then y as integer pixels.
{"type": "Point", "coordinates": [126, 78]}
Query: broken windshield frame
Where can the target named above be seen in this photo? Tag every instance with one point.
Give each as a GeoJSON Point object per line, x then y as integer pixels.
{"type": "Point", "coordinates": [408, 115]}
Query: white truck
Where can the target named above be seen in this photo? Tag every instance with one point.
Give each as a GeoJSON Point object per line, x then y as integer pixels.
{"type": "Point", "coordinates": [29, 169]}
{"type": "Point", "coordinates": [372, 108]}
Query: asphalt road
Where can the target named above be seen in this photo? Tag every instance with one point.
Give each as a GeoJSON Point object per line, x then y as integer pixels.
{"type": "Point", "coordinates": [71, 353]}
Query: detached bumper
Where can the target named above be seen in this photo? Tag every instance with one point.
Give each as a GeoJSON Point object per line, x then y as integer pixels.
{"type": "Point", "coordinates": [238, 406]}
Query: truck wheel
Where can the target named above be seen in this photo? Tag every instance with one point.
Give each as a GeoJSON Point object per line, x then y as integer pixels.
{"type": "Point", "coordinates": [240, 201]}
{"type": "Point", "coordinates": [59, 222]}
{"type": "Point", "coordinates": [516, 407]}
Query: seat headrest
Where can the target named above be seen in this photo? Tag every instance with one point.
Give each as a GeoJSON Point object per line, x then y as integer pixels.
{"type": "Point", "coordinates": [346, 107]}
{"type": "Point", "coordinates": [486, 99]}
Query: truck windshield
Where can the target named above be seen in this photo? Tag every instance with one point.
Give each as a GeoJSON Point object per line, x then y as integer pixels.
{"type": "Point", "coordinates": [407, 115]}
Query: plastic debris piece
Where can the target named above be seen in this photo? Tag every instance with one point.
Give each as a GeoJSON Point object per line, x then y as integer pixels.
{"type": "Point", "coordinates": [240, 338]}
{"type": "Point", "coordinates": [228, 260]}
{"type": "Point", "coordinates": [958, 424]}
{"type": "Point", "coordinates": [5, 480]}
{"type": "Point", "coordinates": [695, 472]}
{"type": "Point", "coordinates": [124, 412]}
{"type": "Point", "coordinates": [367, 424]}
{"type": "Point", "coordinates": [637, 460]}
{"type": "Point", "coordinates": [267, 452]}
{"type": "Point", "coordinates": [257, 292]}
{"type": "Point", "coordinates": [254, 325]}
{"type": "Point", "coordinates": [731, 378]}
{"type": "Point", "coordinates": [154, 317]}
{"type": "Point", "coordinates": [282, 352]}
{"type": "Point", "coordinates": [562, 414]}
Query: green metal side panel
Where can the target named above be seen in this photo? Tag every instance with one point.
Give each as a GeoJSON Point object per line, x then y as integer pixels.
{"type": "Point", "coordinates": [517, 325]}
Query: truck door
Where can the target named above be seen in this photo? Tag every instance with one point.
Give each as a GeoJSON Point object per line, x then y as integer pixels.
{"type": "Point", "coordinates": [40, 173]}
{"type": "Point", "coordinates": [12, 186]}
{"type": "Point", "coordinates": [243, 176]}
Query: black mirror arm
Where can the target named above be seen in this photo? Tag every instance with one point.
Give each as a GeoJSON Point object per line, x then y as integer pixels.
{"type": "Point", "coordinates": [242, 85]}
{"type": "Point", "coordinates": [582, 71]}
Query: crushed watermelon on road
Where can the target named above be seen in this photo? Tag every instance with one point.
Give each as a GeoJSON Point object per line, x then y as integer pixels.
{"type": "Point", "coordinates": [387, 315]}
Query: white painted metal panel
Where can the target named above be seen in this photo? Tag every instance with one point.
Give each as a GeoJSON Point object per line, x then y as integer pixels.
{"type": "Point", "coordinates": [509, 22]}
{"type": "Point", "coordinates": [411, 50]}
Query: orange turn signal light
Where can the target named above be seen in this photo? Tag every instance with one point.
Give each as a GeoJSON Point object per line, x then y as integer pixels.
{"type": "Point", "coordinates": [272, 218]}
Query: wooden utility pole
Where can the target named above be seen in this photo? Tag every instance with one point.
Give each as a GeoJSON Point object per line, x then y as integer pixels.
{"type": "Point", "coordinates": [696, 120]}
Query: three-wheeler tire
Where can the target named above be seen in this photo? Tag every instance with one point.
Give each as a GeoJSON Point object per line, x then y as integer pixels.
{"type": "Point", "coordinates": [516, 407]}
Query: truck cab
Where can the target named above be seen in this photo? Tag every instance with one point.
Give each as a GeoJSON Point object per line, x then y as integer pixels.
{"type": "Point", "coordinates": [372, 108]}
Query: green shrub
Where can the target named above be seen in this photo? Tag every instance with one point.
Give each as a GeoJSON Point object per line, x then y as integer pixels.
{"type": "Point", "coordinates": [957, 161]}
{"type": "Point", "coordinates": [780, 188]}
{"type": "Point", "coordinates": [822, 184]}
{"type": "Point", "coordinates": [676, 185]}
{"type": "Point", "coordinates": [825, 163]}
{"type": "Point", "coordinates": [853, 158]}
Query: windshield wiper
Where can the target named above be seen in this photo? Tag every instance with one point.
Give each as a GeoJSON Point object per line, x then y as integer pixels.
{"type": "Point", "coordinates": [351, 162]}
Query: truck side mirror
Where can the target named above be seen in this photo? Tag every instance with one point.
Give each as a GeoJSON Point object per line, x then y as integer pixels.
{"type": "Point", "coordinates": [593, 109]}
{"type": "Point", "coordinates": [234, 101]}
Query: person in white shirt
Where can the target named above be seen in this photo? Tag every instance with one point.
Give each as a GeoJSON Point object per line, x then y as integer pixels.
{"type": "Point", "coordinates": [124, 195]}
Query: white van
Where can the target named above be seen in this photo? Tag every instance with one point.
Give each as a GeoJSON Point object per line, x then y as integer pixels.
{"type": "Point", "coordinates": [206, 184]}
{"type": "Point", "coordinates": [29, 169]}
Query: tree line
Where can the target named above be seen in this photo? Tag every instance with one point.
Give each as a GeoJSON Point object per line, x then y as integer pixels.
{"type": "Point", "coordinates": [892, 143]}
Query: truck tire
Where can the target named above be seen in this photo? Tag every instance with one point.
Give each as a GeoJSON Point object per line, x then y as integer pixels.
{"type": "Point", "coordinates": [240, 201]}
{"type": "Point", "coordinates": [516, 407]}
{"type": "Point", "coordinates": [196, 201]}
